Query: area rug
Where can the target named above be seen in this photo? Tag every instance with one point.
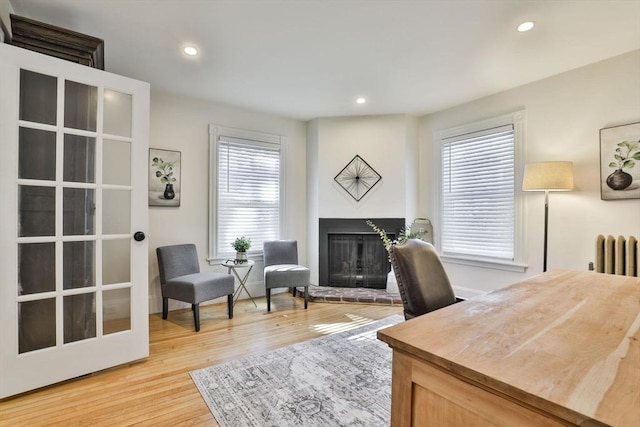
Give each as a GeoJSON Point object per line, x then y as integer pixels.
{"type": "Point", "coordinates": [342, 379]}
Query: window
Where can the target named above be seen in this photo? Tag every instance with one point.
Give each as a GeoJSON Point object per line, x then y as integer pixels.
{"type": "Point", "coordinates": [246, 189]}
{"type": "Point", "coordinates": [479, 205]}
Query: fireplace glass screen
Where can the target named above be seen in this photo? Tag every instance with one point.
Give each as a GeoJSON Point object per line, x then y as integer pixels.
{"type": "Point", "coordinates": [358, 260]}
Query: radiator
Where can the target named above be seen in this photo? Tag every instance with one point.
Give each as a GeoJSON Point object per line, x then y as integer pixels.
{"type": "Point", "coordinates": [617, 255]}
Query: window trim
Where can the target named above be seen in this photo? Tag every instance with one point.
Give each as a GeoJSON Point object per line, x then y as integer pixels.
{"type": "Point", "coordinates": [215, 133]}
{"type": "Point", "coordinates": [518, 120]}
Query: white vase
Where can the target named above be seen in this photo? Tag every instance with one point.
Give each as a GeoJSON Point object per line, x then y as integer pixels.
{"type": "Point", "coordinates": [392, 284]}
{"type": "Point", "coordinates": [241, 256]}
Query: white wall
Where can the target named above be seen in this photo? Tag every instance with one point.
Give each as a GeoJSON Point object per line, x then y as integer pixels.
{"type": "Point", "coordinates": [564, 116]}
{"type": "Point", "coordinates": [181, 123]}
{"type": "Point", "coordinates": [313, 201]}
{"type": "Point", "coordinates": [411, 168]}
{"type": "Point", "coordinates": [381, 142]}
{"type": "Point", "coordinates": [388, 143]}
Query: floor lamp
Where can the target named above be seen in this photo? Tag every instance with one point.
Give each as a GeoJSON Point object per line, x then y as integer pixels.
{"type": "Point", "coordinates": [547, 176]}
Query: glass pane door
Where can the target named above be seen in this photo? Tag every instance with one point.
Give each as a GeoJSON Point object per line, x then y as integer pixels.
{"type": "Point", "coordinates": [79, 299]}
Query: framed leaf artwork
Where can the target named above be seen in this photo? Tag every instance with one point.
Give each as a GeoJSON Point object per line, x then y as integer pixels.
{"type": "Point", "coordinates": [620, 162]}
{"type": "Point", "coordinates": [164, 177]}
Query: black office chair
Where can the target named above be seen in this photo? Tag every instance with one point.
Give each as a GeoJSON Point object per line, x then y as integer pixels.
{"type": "Point", "coordinates": [422, 280]}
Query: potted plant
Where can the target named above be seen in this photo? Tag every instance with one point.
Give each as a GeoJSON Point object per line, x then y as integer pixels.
{"type": "Point", "coordinates": [624, 155]}
{"type": "Point", "coordinates": [241, 245]}
{"type": "Point", "coordinates": [405, 233]}
{"type": "Point", "coordinates": [164, 171]}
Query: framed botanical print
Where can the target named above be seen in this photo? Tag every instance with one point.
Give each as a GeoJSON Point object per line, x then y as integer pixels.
{"type": "Point", "coordinates": [620, 162]}
{"type": "Point", "coordinates": [164, 177]}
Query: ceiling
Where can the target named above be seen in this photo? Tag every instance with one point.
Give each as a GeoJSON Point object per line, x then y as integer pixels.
{"type": "Point", "coordinates": [312, 58]}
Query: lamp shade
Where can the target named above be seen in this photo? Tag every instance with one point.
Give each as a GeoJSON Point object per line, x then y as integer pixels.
{"type": "Point", "coordinates": [555, 176]}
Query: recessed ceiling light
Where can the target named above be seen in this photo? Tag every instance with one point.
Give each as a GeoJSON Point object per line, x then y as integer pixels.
{"type": "Point", "coordinates": [525, 26]}
{"type": "Point", "coordinates": [361, 100]}
{"type": "Point", "coordinates": [190, 50]}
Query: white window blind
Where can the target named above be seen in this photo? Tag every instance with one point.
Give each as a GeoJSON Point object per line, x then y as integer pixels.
{"type": "Point", "coordinates": [478, 194]}
{"type": "Point", "coordinates": [248, 193]}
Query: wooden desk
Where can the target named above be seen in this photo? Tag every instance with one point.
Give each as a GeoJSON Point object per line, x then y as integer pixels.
{"type": "Point", "coordinates": [562, 348]}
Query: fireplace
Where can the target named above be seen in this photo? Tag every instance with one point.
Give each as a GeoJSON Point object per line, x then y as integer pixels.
{"type": "Point", "coordinates": [352, 254]}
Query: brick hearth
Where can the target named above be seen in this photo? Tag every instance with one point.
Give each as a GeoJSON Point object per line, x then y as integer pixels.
{"type": "Point", "coordinates": [351, 295]}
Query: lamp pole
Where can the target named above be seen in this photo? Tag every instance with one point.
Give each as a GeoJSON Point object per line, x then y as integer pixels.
{"type": "Point", "coordinates": [546, 228]}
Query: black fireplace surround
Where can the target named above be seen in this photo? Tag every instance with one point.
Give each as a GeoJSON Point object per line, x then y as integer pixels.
{"type": "Point", "coordinates": [352, 254]}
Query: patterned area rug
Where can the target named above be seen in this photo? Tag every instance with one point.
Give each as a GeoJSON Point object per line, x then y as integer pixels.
{"type": "Point", "coordinates": [342, 379]}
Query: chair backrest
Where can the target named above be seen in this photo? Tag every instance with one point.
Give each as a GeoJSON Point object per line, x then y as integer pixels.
{"type": "Point", "coordinates": [280, 252]}
{"type": "Point", "coordinates": [422, 281]}
{"type": "Point", "coordinates": [177, 260]}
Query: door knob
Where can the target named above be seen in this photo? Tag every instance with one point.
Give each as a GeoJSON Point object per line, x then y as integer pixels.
{"type": "Point", "coordinates": [138, 236]}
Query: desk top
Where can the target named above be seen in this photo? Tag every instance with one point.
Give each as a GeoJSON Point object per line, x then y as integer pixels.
{"type": "Point", "coordinates": [566, 342]}
{"type": "Point", "coordinates": [233, 264]}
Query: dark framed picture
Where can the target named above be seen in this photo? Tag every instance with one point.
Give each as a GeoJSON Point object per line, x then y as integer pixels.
{"type": "Point", "coordinates": [620, 162]}
{"type": "Point", "coordinates": [164, 177]}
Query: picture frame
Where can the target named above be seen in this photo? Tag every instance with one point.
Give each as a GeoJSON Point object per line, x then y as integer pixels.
{"type": "Point", "coordinates": [620, 162]}
{"type": "Point", "coordinates": [164, 177]}
{"type": "Point", "coordinates": [357, 178]}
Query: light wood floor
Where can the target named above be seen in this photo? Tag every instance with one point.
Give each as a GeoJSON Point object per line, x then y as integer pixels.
{"type": "Point", "coordinates": [158, 391]}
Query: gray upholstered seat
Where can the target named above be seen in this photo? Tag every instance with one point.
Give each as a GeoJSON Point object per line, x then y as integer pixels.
{"type": "Point", "coordinates": [422, 280]}
{"type": "Point", "coordinates": [281, 269]}
{"type": "Point", "coordinates": [181, 279]}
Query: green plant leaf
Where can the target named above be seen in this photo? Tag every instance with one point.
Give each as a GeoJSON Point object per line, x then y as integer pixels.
{"type": "Point", "coordinates": [628, 163]}
{"type": "Point", "coordinates": [623, 144]}
{"type": "Point", "coordinates": [242, 244]}
{"type": "Point", "coordinates": [613, 165]}
{"type": "Point", "coordinates": [618, 157]}
{"type": "Point", "coordinates": [636, 155]}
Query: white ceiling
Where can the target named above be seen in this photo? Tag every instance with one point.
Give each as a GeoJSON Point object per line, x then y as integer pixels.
{"type": "Point", "coordinates": [312, 58]}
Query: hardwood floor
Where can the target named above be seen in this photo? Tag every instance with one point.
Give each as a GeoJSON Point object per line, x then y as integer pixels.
{"type": "Point", "coordinates": [158, 391]}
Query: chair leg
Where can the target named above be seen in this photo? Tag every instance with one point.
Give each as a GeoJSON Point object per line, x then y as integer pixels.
{"type": "Point", "coordinates": [268, 299]}
{"type": "Point", "coordinates": [306, 297]}
{"type": "Point", "coordinates": [230, 304]}
{"type": "Point", "coordinates": [196, 315]}
{"type": "Point", "coordinates": [294, 291]}
{"type": "Point", "coordinates": [165, 307]}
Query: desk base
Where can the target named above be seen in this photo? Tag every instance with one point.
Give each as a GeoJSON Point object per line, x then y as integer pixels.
{"type": "Point", "coordinates": [424, 395]}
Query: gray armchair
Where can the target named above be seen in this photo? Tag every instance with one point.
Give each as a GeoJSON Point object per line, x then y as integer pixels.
{"type": "Point", "coordinates": [422, 281]}
{"type": "Point", "coordinates": [181, 279]}
{"type": "Point", "coordinates": [281, 269]}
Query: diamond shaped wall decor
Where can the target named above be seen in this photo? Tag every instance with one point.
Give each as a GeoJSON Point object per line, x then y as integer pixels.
{"type": "Point", "coordinates": [357, 178]}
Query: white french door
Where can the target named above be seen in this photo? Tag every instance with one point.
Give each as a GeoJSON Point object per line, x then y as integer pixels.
{"type": "Point", "coordinates": [73, 182]}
